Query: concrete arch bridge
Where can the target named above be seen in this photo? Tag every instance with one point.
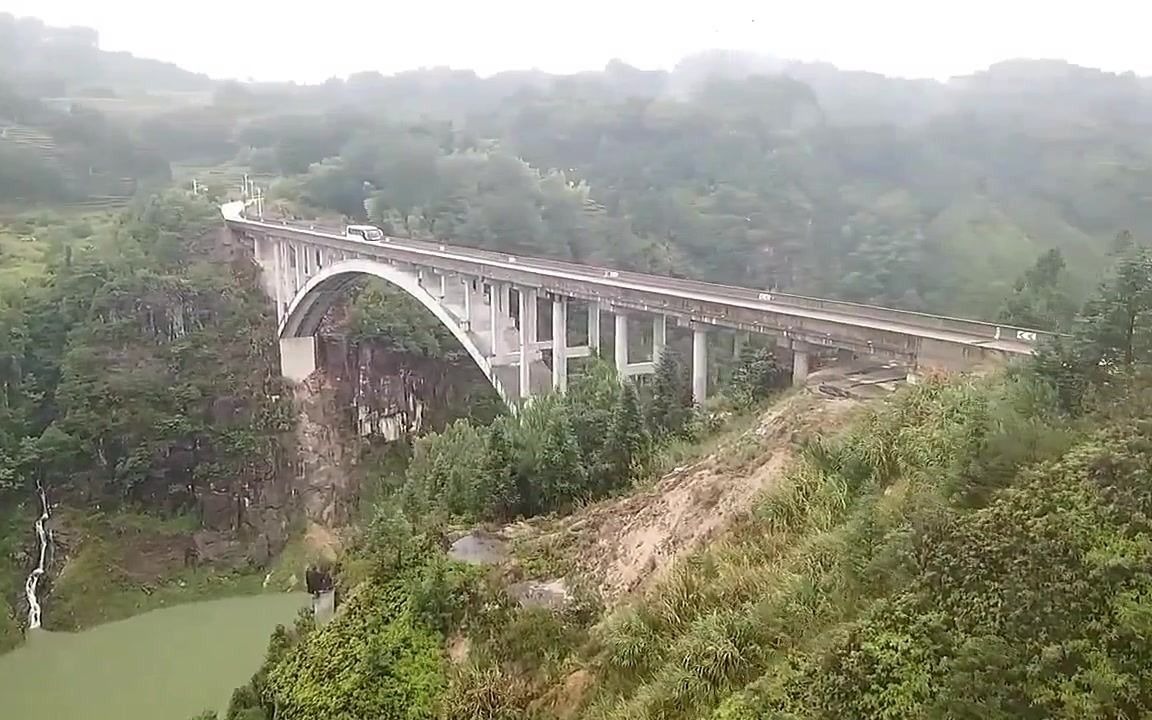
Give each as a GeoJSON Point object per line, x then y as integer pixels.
{"type": "Point", "coordinates": [306, 269]}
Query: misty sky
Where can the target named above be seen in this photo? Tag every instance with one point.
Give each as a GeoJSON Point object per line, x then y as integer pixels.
{"type": "Point", "coordinates": [925, 38]}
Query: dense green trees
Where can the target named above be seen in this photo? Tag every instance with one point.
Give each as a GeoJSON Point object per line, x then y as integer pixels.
{"type": "Point", "coordinates": [137, 368]}
{"type": "Point", "coordinates": [1040, 298]}
{"type": "Point", "coordinates": [669, 408]}
{"type": "Point", "coordinates": [1110, 341]}
{"type": "Point", "coordinates": [555, 452]}
{"type": "Point", "coordinates": [140, 364]}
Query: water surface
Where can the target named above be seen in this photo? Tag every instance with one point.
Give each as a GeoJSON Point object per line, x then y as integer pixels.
{"type": "Point", "coordinates": [168, 664]}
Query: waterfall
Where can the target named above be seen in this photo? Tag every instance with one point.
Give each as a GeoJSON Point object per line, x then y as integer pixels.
{"type": "Point", "coordinates": [43, 539]}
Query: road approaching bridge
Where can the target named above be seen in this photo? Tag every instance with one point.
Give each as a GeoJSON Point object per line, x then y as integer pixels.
{"type": "Point", "coordinates": [471, 291]}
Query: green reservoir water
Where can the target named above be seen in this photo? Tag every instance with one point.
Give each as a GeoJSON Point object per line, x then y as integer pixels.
{"type": "Point", "coordinates": [168, 664]}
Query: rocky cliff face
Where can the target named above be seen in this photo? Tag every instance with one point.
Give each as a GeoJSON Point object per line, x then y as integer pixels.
{"type": "Point", "coordinates": [361, 394]}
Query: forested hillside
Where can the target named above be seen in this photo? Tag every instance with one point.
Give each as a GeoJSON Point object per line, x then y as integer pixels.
{"type": "Point", "coordinates": [919, 194]}
{"type": "Point", "coordinates": [56, 143]}
{"type": "Point", "coordinates": [137, 373]}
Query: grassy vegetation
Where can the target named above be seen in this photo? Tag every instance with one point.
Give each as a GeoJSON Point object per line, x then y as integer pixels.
{"type": "Point", "coordinates": [804, 610]}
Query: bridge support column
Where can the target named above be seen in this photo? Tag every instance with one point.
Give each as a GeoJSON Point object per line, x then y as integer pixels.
{"type": "Point", "coordinates": [560, 344]}
{"type": "Point", "coordinates": [800, 358]}
{"type": "Point", "coordinates": [699, 365]}
{"type": "Point", "coordinates": [287, 279]}
{"type": "Point", "coordinates": [621, 345]}
{"type": "Point", "coordinates": [594, 325]}
{"type": "Point", "coordinates": [298, 357]}
{"type": "Point", "coordinates": [527, 301]}
{"type": "Point", "coordinates": [659, 337]}
{"type": "Point", "coordinates": [299, 269]}
{"type": "Point", "coordinates": [466, 321]}
{"type": "Point", "coordinates": [498, 314]}
{"type": "Point", "coordinates": [532, 317]}
{"type": "Point", "coordinates": [277, 273]}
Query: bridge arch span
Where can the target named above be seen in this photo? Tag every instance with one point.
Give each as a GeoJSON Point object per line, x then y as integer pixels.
{"type": "Point", "coordinates": [312, 302]}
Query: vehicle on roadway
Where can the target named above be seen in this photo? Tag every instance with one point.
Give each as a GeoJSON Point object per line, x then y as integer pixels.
{"type": "Point", "coordinates": [370, 233]}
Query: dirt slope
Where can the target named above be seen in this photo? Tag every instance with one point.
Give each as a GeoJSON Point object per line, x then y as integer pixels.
{"type": "Point", "coordinates": [620, 545]}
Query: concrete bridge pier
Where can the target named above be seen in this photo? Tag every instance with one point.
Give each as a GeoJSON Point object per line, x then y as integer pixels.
{"type": "Point", "coordinates": [620, 340]}
{"type": "Point", "coordinates": [699, 365]}
{"type": "Point", "coordinates": [324, 606]}
{"type": "Point", "coordinates": [594, 325]}
{"type": "Point", "coordinates": [559, 344]}
{"type": "Point", "coordinates": [527, 338]}
{"type": "Point", "coordinates": [659, 338]}
{"type": "Point", "coordinates": [466, 320]}
{"type": "Point", "coordinates": [739, 340]}
{"type": "Point", "coordinates": [800, 358]}
{"type": "Point", "coordinates": [497, 316]}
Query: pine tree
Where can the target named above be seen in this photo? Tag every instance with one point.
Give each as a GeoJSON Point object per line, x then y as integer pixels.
{"type": "Point", "coordinates": [1039, 299]}
{"type": "Point", "coordinates": [498, 483]}
{"type": "Point", "coordinates": [1113, 334]}
{"type": "Point", "coordinates": [757, 375]}
{"type": "Point", "coordinates": [561, 475]}
{"type": "Point", "coordinates": [1117, 328]}
{"type": "Point", "coordinates": [627, 441]}
{"type": "Point", "coordinates": [671, 404]}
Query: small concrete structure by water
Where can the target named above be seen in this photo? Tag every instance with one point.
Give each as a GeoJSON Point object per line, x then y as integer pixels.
{"type": "Point", "coordinates": [324, 606]}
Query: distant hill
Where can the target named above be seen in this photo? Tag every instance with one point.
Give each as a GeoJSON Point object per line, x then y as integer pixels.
{"type": "Point", "coordinates": [42, 61]}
